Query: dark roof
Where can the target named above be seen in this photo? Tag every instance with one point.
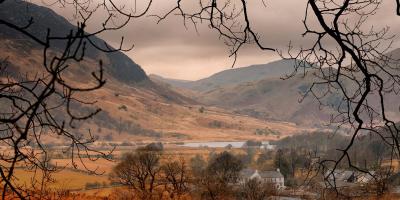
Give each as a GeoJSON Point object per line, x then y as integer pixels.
{"type": "Point", "coordinates": [263, 174]}
{"type": "Point", "coordinates": [270, 174]}
{"type": "Point", "coordinates": [247, 172]}
{"type": "Point", "coordinates": [341, 175]}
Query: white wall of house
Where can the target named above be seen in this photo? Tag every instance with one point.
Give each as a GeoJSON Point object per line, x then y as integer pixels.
{"type": "Point", "coordinates": [278, 182]}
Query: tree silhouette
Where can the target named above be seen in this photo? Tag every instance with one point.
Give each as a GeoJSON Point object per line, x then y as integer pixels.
{"type": "Point", "coordinates": [140, 171]}
{"type": "Point", "coordinates": [228, 18]}
{"type": "Point", "coordinates": [353, 62]}
{"type": "Point", "coordinates": [346, 58]}
{"type": "Point", "coordinates": [398, 7]}
{"type": "Point", "coordinates": [31, 103]}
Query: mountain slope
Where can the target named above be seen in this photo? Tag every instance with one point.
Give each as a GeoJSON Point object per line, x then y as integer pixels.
{"type": "Point", "coordinates": [266, 96]}
{"type": "Point", "coordinates": [259, 91]}
{"type": "Point", "coordinates": [271, 98]}
{"type": "Point", "coordinates": [169, 81]}
{"type": "Point", "coordinates": [117, 65]}
{"type": "Point", "coordinates": [133, 107]}
{"type": "Point", "coordinates": [20, 12]}
{"type": "Point", "coordinates": [236, 76]}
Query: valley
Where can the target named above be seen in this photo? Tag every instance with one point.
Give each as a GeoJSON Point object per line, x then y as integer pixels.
{"type": "Point", "coordinates": [80, 119]}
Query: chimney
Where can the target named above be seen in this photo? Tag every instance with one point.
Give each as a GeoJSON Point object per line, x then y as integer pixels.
{"type": "Point", "coordinates": [278, 170]}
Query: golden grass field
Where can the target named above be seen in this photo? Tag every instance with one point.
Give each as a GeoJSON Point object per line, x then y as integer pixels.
{"type": "Point", "coordinates": [66, 179]}
{"type": "Point", "coordinates": [75, 179]}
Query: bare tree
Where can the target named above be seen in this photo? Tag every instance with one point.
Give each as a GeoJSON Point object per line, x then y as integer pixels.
{"type": "Point", "coordinates": [398, 7]}
{"type": "Point", "coordinates": [353, 62]}
{"type": "Point", "coordinates": [140, 171]}
{"type": "Point", "coordinates": [255, 189]}
{"type": "Point", "coordinates": [348, 60]}
{"type": "Point", "coordinates": [217, 179]}
{"type": "Point", "coordinates": [229, 18]}
{"type": "Point", "coordinates": [197, 165]}
{"type": "Point", "coordinates": [31, 103]}
{"type": "Point", "coordinates": [176, 177]}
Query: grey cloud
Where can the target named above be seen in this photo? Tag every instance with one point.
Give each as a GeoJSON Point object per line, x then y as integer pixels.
{"type": "Point", "coordinates": [171, 50]}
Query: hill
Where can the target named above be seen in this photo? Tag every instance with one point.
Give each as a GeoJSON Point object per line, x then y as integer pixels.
{"type": "Point", "coordinates": [18, 12]}
{"type": "Point", "coordinates": [272, 99]}
{"type": "Point", "coordinates": [236, 76]}
{"type": "Point", "coordinates": [259, 91]}
{"type": "Point", "coordinates": [133, 106]}
{"type": "Point", "coordinates": [169, 81]}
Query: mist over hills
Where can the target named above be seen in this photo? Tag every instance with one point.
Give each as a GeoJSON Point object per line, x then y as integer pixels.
{"type": "Point", "coordinates": [170, 81]}
{"type": "Point", "coordinates": [235, 76]}
{"type": "Point", "coordinates": [259, 91]}
{"type": "Point", "coordinates": [245, 74]}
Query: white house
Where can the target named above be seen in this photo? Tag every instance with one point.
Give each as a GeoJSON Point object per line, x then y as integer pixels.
{"type": "Point", "coordinates": [346, 178]}
{"type": "Point", "coordinates": [274, 177]}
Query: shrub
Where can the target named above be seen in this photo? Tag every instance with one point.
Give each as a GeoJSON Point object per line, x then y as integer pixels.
{"type": "Point", "coordinates": [201, 109]}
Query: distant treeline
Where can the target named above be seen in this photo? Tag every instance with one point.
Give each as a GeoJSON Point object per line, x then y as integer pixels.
{"type": "Point", "coordinates": [368, 150]}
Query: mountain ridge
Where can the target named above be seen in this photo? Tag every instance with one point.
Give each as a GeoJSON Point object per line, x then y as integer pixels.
{"type": "Point", "coordinates": [275, 69]}
{"type": "Point", "coordinates": [117, 64]}
{"type": "Point", "coordinates": [272, 98]}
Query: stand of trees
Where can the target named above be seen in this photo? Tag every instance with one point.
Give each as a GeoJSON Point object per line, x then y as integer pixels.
{"type": "Point", "coordinates": [150, 175]}
{"type": "Point", "coordinates": [323, 145]}
{"type": "Point", "coordinates": [253, 189]}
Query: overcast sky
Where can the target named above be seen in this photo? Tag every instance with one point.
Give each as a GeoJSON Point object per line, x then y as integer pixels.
{"type": "Point", "coordinates": [171, 50]}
